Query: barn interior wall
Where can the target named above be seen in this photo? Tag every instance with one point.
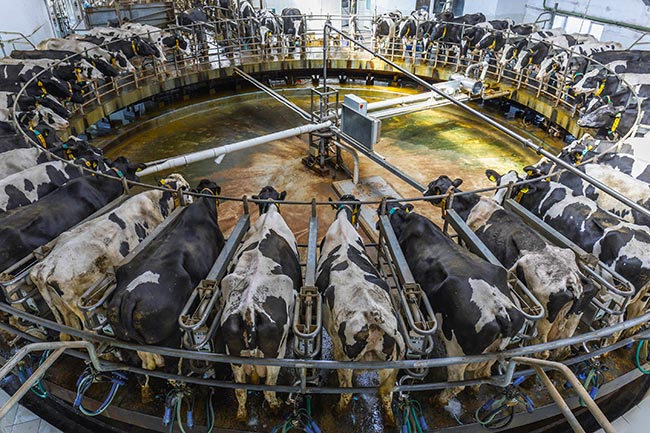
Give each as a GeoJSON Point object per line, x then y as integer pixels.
{"type": "Point", "coordinates": [24, 16]}
{"type": "Point", "coordinates": [628, 11]}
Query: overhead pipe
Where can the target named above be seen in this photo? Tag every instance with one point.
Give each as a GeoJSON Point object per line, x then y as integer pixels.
{"type": "Point", "coordinates": [525, 141]}
{"type": "Point", "coordinates": [597, 19]}
{"type": "Point", "coordinates": [215, 152]}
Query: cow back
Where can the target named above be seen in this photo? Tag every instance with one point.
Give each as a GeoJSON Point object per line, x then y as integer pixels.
{"type": "Point", "coordinates": [260, 290]}
{"type": "Point", "coordinates": [468, 293]}
{"type": "Point", "coordinates": [26, 228]}
{"type": "Point", "coordinates": [153, 287]}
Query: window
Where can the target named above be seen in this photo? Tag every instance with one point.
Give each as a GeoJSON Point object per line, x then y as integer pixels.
{"type": "Point", "coordinates": [578, 25]}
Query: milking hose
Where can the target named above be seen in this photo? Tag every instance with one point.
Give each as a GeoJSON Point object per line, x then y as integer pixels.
{"type": "Point", "coordinates": [637, 357]}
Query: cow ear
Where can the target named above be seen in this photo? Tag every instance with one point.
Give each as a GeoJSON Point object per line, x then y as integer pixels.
{"type": "Point", "coordinates": [255, 197]}
{"type": "Point", "coordinates": [330, 200]}
{"type": "Point", "coordinates": [283, 195]}
{"type": "Point", "coordinates": [409, 207]}
{"type": "Point", "coordinates": [217, 189]}
{"type": "Point", "coordinates": [492, 175]}
{"type": "Point", "coordinates": [457, 182]}
{"type": "Point", "coordinates": [530, 170]}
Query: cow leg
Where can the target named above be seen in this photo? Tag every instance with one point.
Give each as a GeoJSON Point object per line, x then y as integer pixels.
{"type": "Point", "coordinates": [272, 379]}
{"type": "Point", "coordinates": [345, 381]}
{"type": "Point", "coordinates": [568, 328]}
{"type": "Point", "coordinates": [151, 361]}
{"type": "Point", "coordinates": [637, 307]}
{"type": "Point", "coordinates": [387, 379]}
{"type": "Point", "coordinates": [455, 373]}
{"type": "Point", "coordinates": [543, 329]}
{"type": "Point", "coordinates": [240, 377]}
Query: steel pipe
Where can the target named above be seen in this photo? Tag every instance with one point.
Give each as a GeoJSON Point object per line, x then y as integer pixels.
{"type": "Point", "coordinates": [228, 148]}
{"type": "Point", "coordinates": [527, 142]}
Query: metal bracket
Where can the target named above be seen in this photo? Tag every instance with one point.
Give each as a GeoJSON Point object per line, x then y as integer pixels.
{"type": "Point", "coordinates": [197, 333]}
{"type": "Point", "coordinates": [307, 313]}
{"type": "Point", "coordinates": [416, 317]}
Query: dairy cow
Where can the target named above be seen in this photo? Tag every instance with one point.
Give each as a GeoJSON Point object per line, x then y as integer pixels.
{"type": "Point", "coordinates": [16, 160]}
{"type": "Point", "coordinates": [631, 157]}
{"type": "Point", "coordinates": [64, 275]}
{"type": "Point", "coordinates": [26, 228]}
{"type": "Point", "coordinates": [636, 190]}
{"type": "Point", "coordinates": [259, 295]}
{"type": "Point", "coordinates": [623, 246]}
{"type": "Point", "coordinates": [103, 66]}
{"type": "Point", "coordinates": [550, 272]}
{"type": "Point", "coordinates": [30, 185]}
{"type": "Point", "coordinates": [37, 115]}
{"type": "Point", "coordinates": [87, 49]}
{"type": "Point", "coordinates": [153, 287]}
{"type": "Point", "coordinates": [14, 77]}
{"type": "Point", "coordinates": [294, 28]}
{"type": "Point", "coordinates": [357, 312]}
{"type": "Point", "coordinates": [161, 38]}
{"type": "Point", "coordinates": [562, 63]}
{"type": "Point", "coordinates": [468, 295]}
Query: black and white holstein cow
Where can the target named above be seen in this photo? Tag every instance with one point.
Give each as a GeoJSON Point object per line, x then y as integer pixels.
{"type": "Point", "coordinates": [560, 64]}
{"type": "Point", "coordinates": [631, 157]}
{"type": "Point", "coordinates": [532, 56]}
{"type": "Point", "coordinates": [259, 295]}
{"type": "Point", "coordinates": [26, 103]}
{"type": "Point", "coordinates": [14, 77]}
{"type": "Point", "coordinates": [469, 295]}
{"type": "Point", "coordinates": [26, 228]}
{"type": "Point", "coordinates": [384, 28]}
{"type": "Point", "coordinates": [30, 185]}
{"type": "Point", "coordinates": [634, 189]}
{"type": "Point", "coordinates": [42, 134]}
{"type": "Point", "coordinates": [550, 272]}
{"type": "Point", "coordinates": [612, 118]}
{"type": "Point", "coordinates": [116, 59]}
{"type": "Point", "coordinates": [270, 31]}
{"type": "Point", "coordinates": [103, 66]}
{"type": "Point", "coordinates": [294, 29]}
{"type": "Point", "coordinates": [153, 287]}
{"type": "Point", "coordinates": [38, 115]}
{"type": "Point", "coordinates": [358, 313]}
{"type": "Point", "coordinates": [64, 274]}
{"type": "Point", "coordinates": [623, 246]}
{"type": "Point", "coordinates": [16, 160]}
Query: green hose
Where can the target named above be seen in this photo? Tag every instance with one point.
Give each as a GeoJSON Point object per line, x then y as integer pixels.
{"type": "Point", "coordinates": [637, 356]}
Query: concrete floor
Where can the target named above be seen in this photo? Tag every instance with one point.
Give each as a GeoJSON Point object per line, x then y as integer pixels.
{"type": "Point", "coordinates": [21, 420]}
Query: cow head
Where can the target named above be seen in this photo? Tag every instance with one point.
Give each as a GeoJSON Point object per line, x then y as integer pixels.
{"type": "Point", "coordinates": [607, 116]}
{"type": "Point", "coordinates": [590, 82]}
{"type": "Point", "coordinates": [398, 214]}
{"type": "Point", "coordinates": [170, 200]}
{"type": "Point", "coordinates": [175, 41]}
{"type": "Point", "coordinates": [487, 41]}
{"type": "Point", "coordinates": [91, 163]}
{"type": "Point", "coordinates": [502, 181]}
{"type": "Point", "coordinates": [44, 135]}
{"type": "Point", "coordinates": [271, 194]}
{"type": "Point", "coordinates": [548, 66]}
{"type": "Point", "coordinates": [577, 151]}
{"type": "Point", "coordinates": [125, 169]}
{"type": "Point", "coordinates": [107, 69]}
{"type": "Point", "coordinates": [207, 186]}
{"type": "Point", "coordinates": [86, 71]}
{"type": "Point", "coordinates": [54, 86]}
{"type": "Point", "coordinates": [42, 114]}
{"type": "Point", "coordinates": [525, 58]}
{"type": "Point", "coordinates": [529, 194]}
{"type": "Point", "coordinates": [80, 149]}
{"type": "Point", "coordinates": [441, 186]}
{"type": "Point", "coordinates": [141, 47]}
{"type": "Point", "coordinates": [351, 210]}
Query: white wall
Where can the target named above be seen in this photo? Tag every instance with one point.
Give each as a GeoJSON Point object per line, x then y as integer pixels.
{"type": "Point", "coordinates": [628, 11]}
{"type": "Point", "coordinates": [24, 16]}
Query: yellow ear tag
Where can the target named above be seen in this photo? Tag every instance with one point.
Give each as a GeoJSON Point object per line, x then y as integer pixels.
{"type": "Point", "coordinates": [88, 164]}
{"type": "Point", "coordinates": [492, 178]}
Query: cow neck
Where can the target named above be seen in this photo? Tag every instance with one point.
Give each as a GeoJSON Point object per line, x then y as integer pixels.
{"type": "Point", "coordinates": [206, 201]}
{"type": "Point", "coordinates": [352, 213]}
{"type": "Point", "coordinates": [463, 204]}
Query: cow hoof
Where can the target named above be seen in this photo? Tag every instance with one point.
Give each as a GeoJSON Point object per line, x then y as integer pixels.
{"type": "Point", "coordinates": [242, 416]}
{"type": "Point", "coordinates": [389, 418]}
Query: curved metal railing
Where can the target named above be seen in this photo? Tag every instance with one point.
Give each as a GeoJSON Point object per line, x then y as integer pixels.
{"type": "Point", "coordinates": [245, 51]}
